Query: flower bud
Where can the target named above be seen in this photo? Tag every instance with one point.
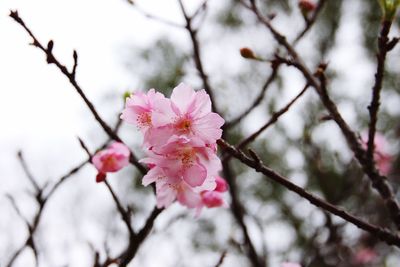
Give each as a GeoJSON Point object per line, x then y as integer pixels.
{"type": "Point", "coordinates": [389, 8]}
{"type": "Point", "coordinates": [247, 53]}
{"type": "Point", "coordinates": [306, 6]}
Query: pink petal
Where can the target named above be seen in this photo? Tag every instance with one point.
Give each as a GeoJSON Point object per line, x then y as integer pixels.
{"type": "Point", "coordinates": [195, 175]}
{"type": "Point", "coordinates": [182, 97]}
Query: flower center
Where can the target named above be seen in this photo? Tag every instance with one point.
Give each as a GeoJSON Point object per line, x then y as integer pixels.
{"type": "Point", "coordinates": [187, 156]}
{"type": "Point", "coordinates": [144, 120]}
{"type": "Point", "coordinates": [184, 125]}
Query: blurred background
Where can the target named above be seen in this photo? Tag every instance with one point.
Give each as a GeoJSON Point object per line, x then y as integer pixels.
{"type": "Point", "coordinates": [122, 50]}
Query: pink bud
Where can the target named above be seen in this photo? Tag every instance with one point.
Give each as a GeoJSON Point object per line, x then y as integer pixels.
{"type": "Point", "coordinates": [111, 159]}
{"type": "Point", "coordinates": [307, 6]}
{"type": "Point", "coordinates": [222, 186]}
{"type": "Point", "coordinates": [212, 199]}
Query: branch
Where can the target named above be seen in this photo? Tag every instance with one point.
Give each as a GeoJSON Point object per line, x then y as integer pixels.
{"type": "Point", "coordinates": [373, 108]}
{"type": "Point", "coordinates": [274, 118]}
{"type": "Point", "coordinates": [197, 55]}
{"type": "Point", "coordinates": [379, 182]}
{"type": "Point", "coordinates": [256, 164]}
{"type": "Point", "coordinates": [258, 99]}
{"type": "Point", "coordinates": [310, 22]}
{"type": "Point", "coordinates": [134, 242]}
{"type": "Point", "coordinates": [51, 59]}
{"type": "Point", "coordinates": [239, 214]}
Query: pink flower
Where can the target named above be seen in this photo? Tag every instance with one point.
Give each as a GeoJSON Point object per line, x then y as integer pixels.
{"type": "Point", "coordinates": [185, 158]}
{"type": "Point", "coordinates": [180, 137]}
{"type": "Point", "coordinates": [365, 256]}
{"type": "Point", "coordinates": [190, 115]}
{"type": "Point", "coordinates": [290, 264]}
{"type": "Point", "coordinates": [382, 157]}
{"type": "Point", "coordinates": [111, 159]}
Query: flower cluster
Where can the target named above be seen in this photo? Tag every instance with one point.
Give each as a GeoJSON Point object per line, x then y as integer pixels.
{"type": "Point", "coordinates": [180, 135]}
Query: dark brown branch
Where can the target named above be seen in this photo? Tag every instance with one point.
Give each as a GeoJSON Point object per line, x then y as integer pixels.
{"type": "Point", "coordinates": [310, 22]}
{"type": "Point", "coordinates": [125, 213]}
{"type": "Point", "coordinates": [221, 259]}
{"type": "Point", "coordinates": [51, 59]}
{"type": "Point", "coordinates": [197, 55]}
{"type": "Point", "coordinates": [41, 201]}
{"type": "Point", "coordinates": [255, 163]}
{"type": "Point", "coordinates": [376, 89]}
{"type": "Point", "coordinates": [135, 241]}
{"type": "Point", "coordinates": [274, 118]}
{"type": "Point", "coordinates": [379, 182]}
{"type": "Point", "coordinates": [28, 172]}
{"type": "Point", "coordinates": [238, 212]}
{"type": "Point", "coordinates": [257, 101]}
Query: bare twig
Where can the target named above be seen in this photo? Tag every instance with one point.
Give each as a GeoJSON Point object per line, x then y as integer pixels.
{"type": "Point", "coordinates": [373, 108]}
{"type": "Point", "coordinates": [238, 212]}
{"type": "Point", "coordinates": [221, 259]}
{"type": "Point", "coordinates": [274, 118]}
{"type": "Point", "coordinates": [310, 22]}
{"type": "Point", "coordinates": [257, 101]}
{"type": "Point", "coordinates": [197, 55]}
{"type": "Point", "coordinates": [51, 59]}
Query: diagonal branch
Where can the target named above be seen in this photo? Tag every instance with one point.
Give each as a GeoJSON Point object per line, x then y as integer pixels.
{"type": "Point", "coordinates": [51, 59]}
{"type": "Point", "coordinates": [256, 164]}
{"type": "Point", "coordinates": [379, 182]}
{"type": "Point", "coordinates": [274, 118]}
{"type": "Point", "coordinates": [257, 101]}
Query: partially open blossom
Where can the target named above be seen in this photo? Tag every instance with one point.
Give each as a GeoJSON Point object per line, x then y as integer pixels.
{"type": "Point", "coordinates": [382, 157]}
{"type": "Point", "coordinates": [365, 256]}
{"type": "Point", "coordinates": [111, 159]}
{"type": "Point", "coordinates": [290, 264]}
{"type": "Point", "coordinates": [307, 6]}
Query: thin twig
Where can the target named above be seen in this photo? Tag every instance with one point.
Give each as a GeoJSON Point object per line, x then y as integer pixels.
{"type": "Point", "coordinates": [310, 22]}
{"type": "Point", "coordinates": [51, 59]}
{"type": "Point", "coordinates": [221, 259]}
{"type": "Point", "coordinates": [238, 212]}
{"type": "Point", "coordinates": [274, 118]}
{"type": "Point", "coordinates": [376, 89]}
{"type": "Point", "coordinates": [257, 101]}
{"type": "Point", "coordinates": [197, 55]}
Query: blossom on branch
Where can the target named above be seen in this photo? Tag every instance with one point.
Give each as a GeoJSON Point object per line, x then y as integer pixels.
{"type": "Point", "coordinates": [111, 159]}
{"type": "Point", "coordinates": [180, 137]}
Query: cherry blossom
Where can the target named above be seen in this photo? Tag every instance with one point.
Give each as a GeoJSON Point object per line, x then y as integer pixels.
{"type": "Point", "coordinates": [180, 137]}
